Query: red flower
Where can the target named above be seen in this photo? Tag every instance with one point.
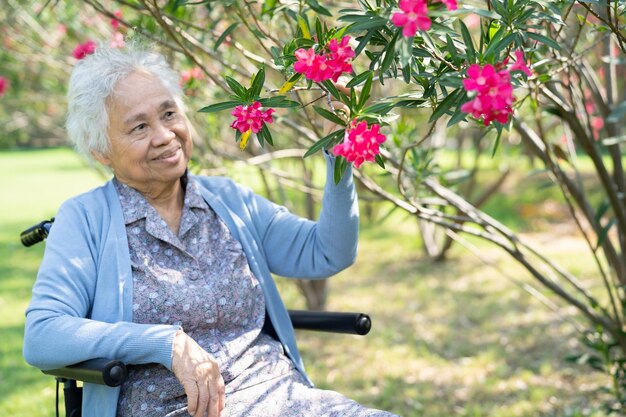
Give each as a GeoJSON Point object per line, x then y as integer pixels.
{"type": "Point", "coordinates": [115, 23]}
{"type": "Point", "coordinates": [4, 85]}
{"type": "Point", "coordinates": [313, 66]}
{"type": "Point", "coordinates": [84, 49]}
{"type": "Point", "coordinates": [360, 144]}
{"type": "Point", "coordinates": [450, 4]}
{"type": "Point", "coordinates": [251, 117]}
{"type": "Point", "coordinates": [520, 63]}
{"type": "Point", "coordinates": [414, 17]}
{"type": "Point", "coordinates": [321, 67]}
{"type": "Point", "coordinates": [194, 73]}
{"type": "Point", "coordinates": [494, 93]}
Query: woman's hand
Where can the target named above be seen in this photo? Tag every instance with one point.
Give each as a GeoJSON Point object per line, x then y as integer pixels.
{"type": "Point", "coordinates": [200, 376]}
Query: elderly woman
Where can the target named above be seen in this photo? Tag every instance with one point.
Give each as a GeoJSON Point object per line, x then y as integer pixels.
{"type": "Point", "coordinates": [171, 272]}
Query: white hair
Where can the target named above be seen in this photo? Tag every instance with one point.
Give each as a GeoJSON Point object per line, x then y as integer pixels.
{"type": "Point", "coordinates": [92, 82]}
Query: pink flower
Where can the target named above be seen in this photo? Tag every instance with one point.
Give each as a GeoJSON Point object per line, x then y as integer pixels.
{"type": "Point", "coordinates": [520, 63]}
{"type": "Point", "coordinates": [339, 57]}
{"type": "Point", "coordinates": [313, 66]}
{"type": "Point", "coordinates": [4, 85]}
{"type": "Point", "coordinates": [324, 66]}
{"type": "Point", "coordinates": [115, 23]}
{"type": "Point", "coordinates": [414, 17]}
{"type": "Point", "coordinates": [360, 143]}
{"type": "Point", "coordinates": [194, 73]}
{"type": "Point", "coordinates": [251, 117]}
{"type": "Point", "coordinates": [597, 124]}
{"type": "Point", "coordinates": [494, 93]}
{"type": "Point", "coordinates": [117, 40]}
{"type": "Point", "coordinates": [84, 49]}
{"type": "Point", "coordinates": [450, 4]}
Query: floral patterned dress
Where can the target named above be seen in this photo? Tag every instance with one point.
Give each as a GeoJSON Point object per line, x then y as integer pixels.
{"type": "Point", "coordinates": [201, 280]}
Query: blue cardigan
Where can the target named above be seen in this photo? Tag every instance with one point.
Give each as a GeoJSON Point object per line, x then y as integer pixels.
{"type": "Point", "coordinates": [81, 306]}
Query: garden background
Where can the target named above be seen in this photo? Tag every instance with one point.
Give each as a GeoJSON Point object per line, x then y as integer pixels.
{"type": "Point", "coordinates": [461, 327]}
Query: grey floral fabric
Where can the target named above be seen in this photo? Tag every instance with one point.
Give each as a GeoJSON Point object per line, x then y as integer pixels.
{"type": "Point", "coordinates": [200, 279]}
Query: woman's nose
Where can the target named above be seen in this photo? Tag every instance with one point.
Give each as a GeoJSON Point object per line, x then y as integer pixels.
{"type": "Point", "coordinates": [162, 135]}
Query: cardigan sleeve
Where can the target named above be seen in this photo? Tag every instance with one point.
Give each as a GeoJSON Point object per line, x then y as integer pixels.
{"type": "Point", "coordinates": [58, 329]}
{"type": "Point", "coordinates": [301, 248]}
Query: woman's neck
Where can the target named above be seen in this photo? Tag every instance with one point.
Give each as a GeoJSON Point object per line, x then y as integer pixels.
{"type": "Point", "coordinates": [167, 200]}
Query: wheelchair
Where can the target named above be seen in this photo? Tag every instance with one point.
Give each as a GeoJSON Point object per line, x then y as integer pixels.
{"type": "Point", "coordinates": [112, 372]}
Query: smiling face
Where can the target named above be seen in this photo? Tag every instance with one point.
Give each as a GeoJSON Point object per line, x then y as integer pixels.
{"type": "Point", "coordinates": [149, 135]}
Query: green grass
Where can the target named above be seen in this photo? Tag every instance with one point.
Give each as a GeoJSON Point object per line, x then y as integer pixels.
{"type": "Point", "coordinates": [33, 184]}
{"type": "Point", "coordinates": [449, 339]}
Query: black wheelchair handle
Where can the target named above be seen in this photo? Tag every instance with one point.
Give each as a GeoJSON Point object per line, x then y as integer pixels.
{"type": "Point", "coordinates": [330, 321]}
{"type": "Point", "coordinates": [100, 371]}
{"type": "Point", "coordinates": [36, 233]}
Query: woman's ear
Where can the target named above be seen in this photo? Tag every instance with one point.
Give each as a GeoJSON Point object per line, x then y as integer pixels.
{"type": "Point", "coordinates": [102, 158]}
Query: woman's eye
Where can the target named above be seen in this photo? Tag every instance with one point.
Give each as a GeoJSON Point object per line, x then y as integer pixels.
{"type": "Point", "coordinates": [169, 114]}
{"type": "Point", "coordinates": [139, 127]}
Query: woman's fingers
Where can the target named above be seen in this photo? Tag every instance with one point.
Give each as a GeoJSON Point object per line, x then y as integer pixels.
{"type": "Point", "coordinates": [200, 376]}
{"type": "Point", "coordinates": [191, 389]}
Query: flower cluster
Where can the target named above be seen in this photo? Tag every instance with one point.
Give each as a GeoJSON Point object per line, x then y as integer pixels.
{"type": "Point", "coordinates": [360, 143]}
{"type": "Point", "coordinates": [84, 49]}
{"type": "Point", "coordinates": [414, 15]}
{"type": "Point", "coordinates": [4, 85]}
{"type": "Point", "coordinates": [251, 118]}
{"type": "Point", "coordinates": [325, 66]}
{"type": "Point", "coordinates": [494, 91]}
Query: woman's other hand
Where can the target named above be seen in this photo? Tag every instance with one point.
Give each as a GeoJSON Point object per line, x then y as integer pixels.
{"type": "Point", "coordinates": [200, 376]}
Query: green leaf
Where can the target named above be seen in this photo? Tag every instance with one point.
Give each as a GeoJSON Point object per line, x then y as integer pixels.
{"type": "Point", "coordinates": [405, 46]}
{"type": "Point", "coordinates": [380, 161]}
{"type": "Point", "coordinates": [379, 108]}
{"type": "Point", "coordinates": [601, 210]}
{"type": "Point", "coordinates": [328, 115]}
{"type": "Point", "coordinates": [332, 89]}
{"type": "Point", "coordinates": [545, 40]}
{"type": "Point", "coordinates": [470, 51]}
{"type": "Point", "coordinates": [278, 101]}
{"type": "Point", "coordinates": [494, 43]}
{"type": "Point", "coordinates": [364, 22]}
{"type": "Point", "coordinates": [313, 4]}
{"type": "Point", "coordinates": [364, 41]}
{"type": "Point", "coordinates": [319, 32]}
{"type": "Point", "coordinates": [223, 36]}
{"type": "Point", "coordinates": [325, 142]}
{"type": "Point", "coordinates": [304, 27]}
{"type": "Point", "coordinates": [239, 90]}
{"type": "Point", "coordinates": [365, 92]}
{"type": "Point", "coordinates": [219, 106]}
{"type": "Point", "coordinates": [604, 232]}
{"type": "Point", "coordinates": [359, 79]}
{"type": "Point", "coordinates": [340, 168]}
{"type": "Point", "coordinates": [388, 54]}
{"type": "Point", "coordinates": [451, 48]}
{"type": "Point", "coordinates": [458, 115]}
{"type": "Point", "coordinates": [257, 84]}
{"type": "Point", "coordinates": [444, 105]}
{"type": "Point", "coordinates": [267, 134]}
{"type": "Point", "coordinates": [496, 144]}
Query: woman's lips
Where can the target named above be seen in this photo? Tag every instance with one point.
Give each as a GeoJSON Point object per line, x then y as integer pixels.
{"type": "Point", "coordinates": [169, 156]}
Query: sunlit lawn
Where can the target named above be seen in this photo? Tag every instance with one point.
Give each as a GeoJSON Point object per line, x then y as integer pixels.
{"type": "Point", "coordinates": [451, 339]}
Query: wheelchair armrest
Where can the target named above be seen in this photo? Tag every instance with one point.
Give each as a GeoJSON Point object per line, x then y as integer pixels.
{"type": "Point", "coordinates": [328, 321]}
{"type": "Point", "coordinates": [100, 371]}
{"type": "Point", "coordinates": [113, 372]}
